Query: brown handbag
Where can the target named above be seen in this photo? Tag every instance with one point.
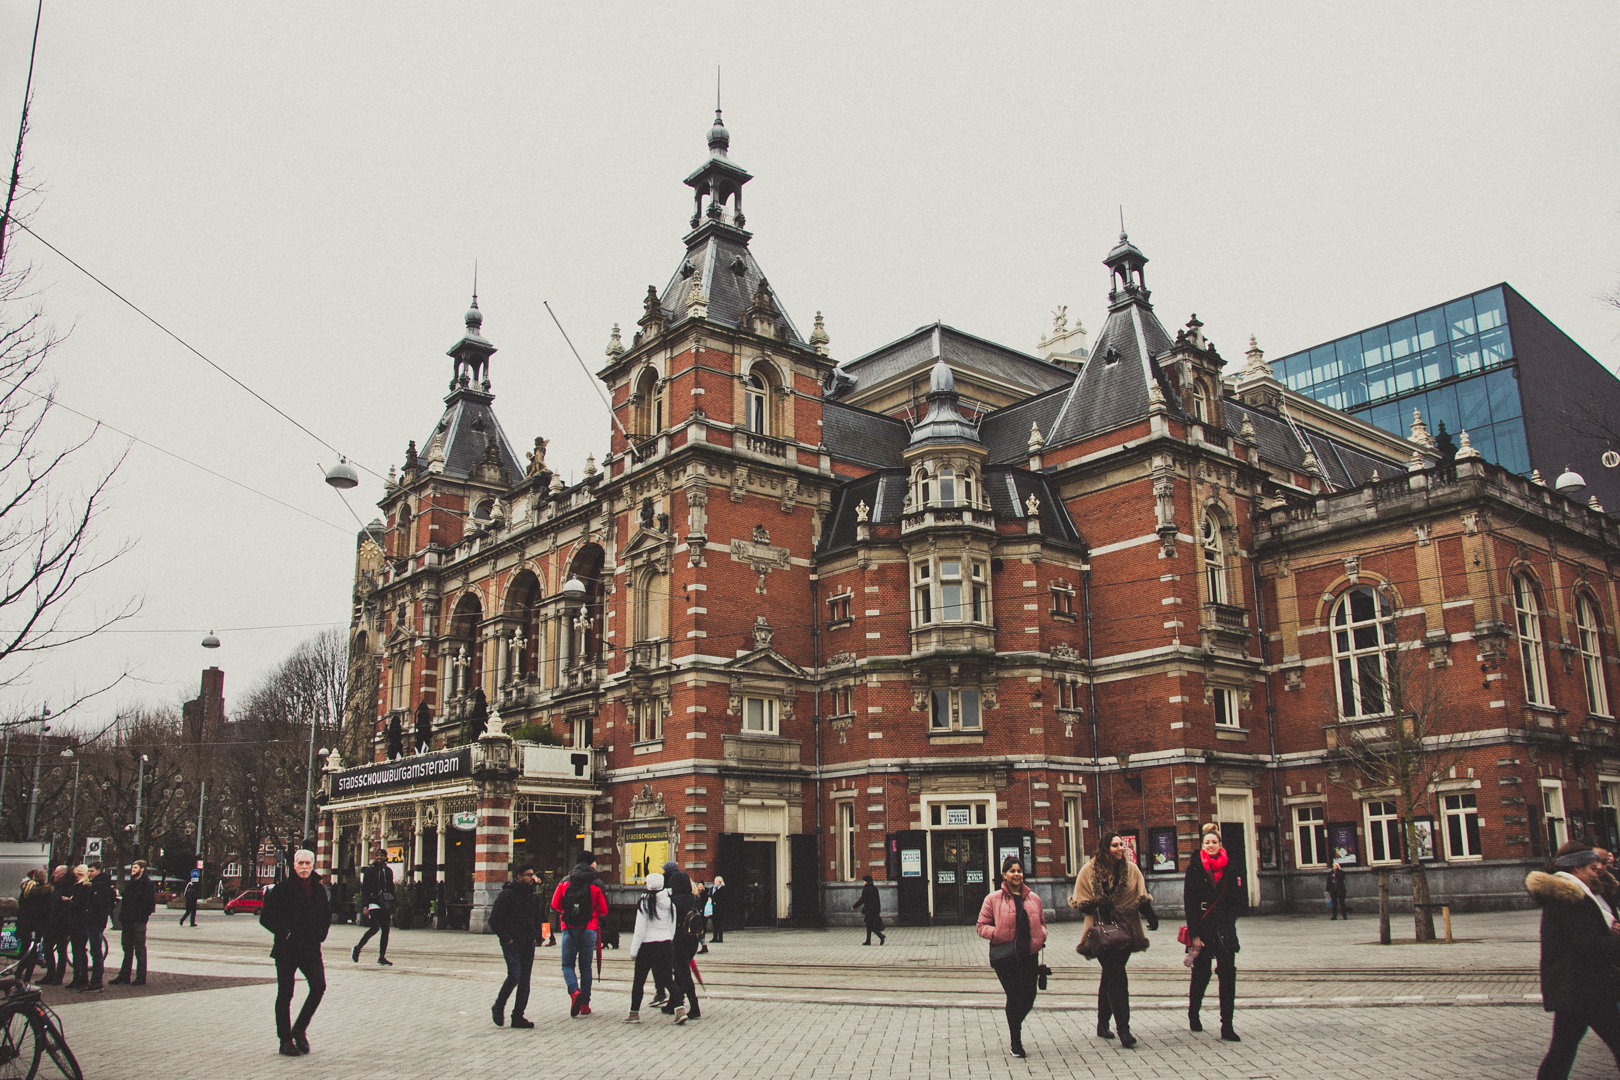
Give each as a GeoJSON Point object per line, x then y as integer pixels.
{"type": "Point", "coordinates": [1104, 938]}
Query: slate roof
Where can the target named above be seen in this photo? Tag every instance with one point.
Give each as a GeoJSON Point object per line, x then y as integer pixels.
{"type": "Point", "coordinates": [866, 438]}
{"type": "Point", "coordinates": [1112, 387]}
{"type": "Point", "coordinates": [730, 276]}
{"type": "Point", "coordinates": [1346, 466]}
{"type": "Point", "coordinates": [963, 352]}
{"type": "Point", "coordinates": [1005, 432]}
{"type": "Point", "coordinates": [469, 423]}
{"type": "Point", "coordinates": [884, 492]}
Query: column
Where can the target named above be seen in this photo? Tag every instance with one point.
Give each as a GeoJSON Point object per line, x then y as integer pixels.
{"type": "Point", "coordinates": [324, 860]}
{"type": "Point", "coordinates": [492, 855]}
{"type": "Point", "coordinates": [416, 843]}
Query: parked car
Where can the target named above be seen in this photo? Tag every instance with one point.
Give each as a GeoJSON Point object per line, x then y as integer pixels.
{"type": "Point", "coordinates": [246, 902]}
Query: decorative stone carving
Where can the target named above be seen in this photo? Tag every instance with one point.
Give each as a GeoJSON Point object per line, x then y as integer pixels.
{"type": "Point", "coordinates": [615, 345]}
{"type": "Point", "coordinates": [1065, 652]}
{"type": "Point", "coordinates": [1352, 568]}
{"type": "Point", "coordinates": [762, 632]}
{"type": "Point", "coordinates": [790, 492]}
{"type": "Point", "coordinates": [739, 482]}
{"type": "Point", "coordinates": [863, 513]}
{"type": "Point", "coordinates": [760, 555]}
{"type": "Point", "coordinates": [647, 804]}
{"type": "Point", "coordinates": [818, 337]}
{"type": "Point", "coordinates": [1033, 505]}
{"type": "Point", "coordinates": [537, 457]}
{"type": "Point", "coordinates": [1036, 440]}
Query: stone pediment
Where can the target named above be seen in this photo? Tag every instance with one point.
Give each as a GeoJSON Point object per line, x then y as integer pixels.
{"type": "Point", "coordinates": [767, 662]}
{"type": "Point", "coordinates": [647, 544]}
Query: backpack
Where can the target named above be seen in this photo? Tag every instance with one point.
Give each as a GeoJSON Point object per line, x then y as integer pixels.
{"type": "Point", "coordinates": [688, 916]}
{"type": "Point", "coordinates": [577, 905]}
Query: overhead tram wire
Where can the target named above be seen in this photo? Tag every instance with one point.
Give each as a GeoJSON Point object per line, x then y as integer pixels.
{"type": "Point", "coordinates": [272, 406]}
{"type": "Point", "coordinates": [586, 368]}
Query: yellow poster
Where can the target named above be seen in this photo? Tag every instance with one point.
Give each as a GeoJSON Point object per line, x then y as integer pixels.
{"type": "Point", "coordinates": [645, 852]}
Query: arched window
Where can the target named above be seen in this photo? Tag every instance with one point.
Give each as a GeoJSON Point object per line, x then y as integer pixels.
{"type": "Point", "coordinates": [651, 600]}
{"type": "Point", "coordinates": [464, 652]}
{"type": "Point", "coordinates": [1527, 622]}
{"type": "Point", "coordinates": [947, 487]}
{"type": "Point", "coordinates": [1363, 650]}
{"type": "Point", "coordinates": [967, 488]}
{"type": "Point", "coordinates": [1200, 401]}
{"type": "Point", "coordinates": [925, 489]}
{"type": "Point", "coordinates": [649, 405]}
{"type": "Point", "coordinates": [1214, 561]}
{"type": "Point", "coordinates": [757, 409]}
{"type": "Point", "coordinates": [1589, 630]}
{"type": "Point", "coordinates": [403, 540]}
{"type": "Point", "coordinates": [484, 510]}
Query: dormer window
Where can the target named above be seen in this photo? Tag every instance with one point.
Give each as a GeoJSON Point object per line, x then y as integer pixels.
{"type": "Point", "coordinates": [1200, 402]}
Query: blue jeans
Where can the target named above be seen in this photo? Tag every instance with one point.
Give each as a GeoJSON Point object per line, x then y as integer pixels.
{"type": "Point", "coordinates": [519, 963]}
{"type": "Point", "coordinates": [581, 944]}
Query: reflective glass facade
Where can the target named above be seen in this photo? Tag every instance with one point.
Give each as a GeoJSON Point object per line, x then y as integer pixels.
{"type": "Point", "coordinates": [1454, 363]}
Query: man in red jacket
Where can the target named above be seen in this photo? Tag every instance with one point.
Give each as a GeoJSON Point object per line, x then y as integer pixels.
{"type": "Point", "coordinates": [580, 905]}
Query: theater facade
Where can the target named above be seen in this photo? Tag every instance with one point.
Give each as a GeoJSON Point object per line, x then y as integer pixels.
{"type": "Point", "coordinates": [905, 613]}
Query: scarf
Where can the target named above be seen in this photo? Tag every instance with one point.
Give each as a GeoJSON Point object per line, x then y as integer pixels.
{"type": "Point", "coordinates": [1216, 866]}
{"type": "Point", "coordinates": [1021, 930]}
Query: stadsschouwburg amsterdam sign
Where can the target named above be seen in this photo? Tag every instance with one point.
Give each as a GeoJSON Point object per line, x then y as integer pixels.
{"type": "Point", "coordinates": [422, 769]}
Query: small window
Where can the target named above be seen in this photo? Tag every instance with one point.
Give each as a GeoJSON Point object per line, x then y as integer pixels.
{"type": "Point", "coordinates": [1310, 836]}
{"type": "Point", "coordinates": [759, 715]}
{"type": "Point", "coordinates": [1062, 598]}
{"type": "Point", "coordinates": [757, 405]}
{"type": "Point", "coordinates": [838, 607]}
{"type": "Point", "coordinates": [1461, 826]}
{"type": "Point", "coordinates": [923, 594]}
{"type": "Point", "coordinates": [947, 487]}
{"type": "Point", "coordinates": [1552, 813]}
{"type": "Point", "coordinates": [957, 815]}
{"type": "Point", "coordinates": [955, 709]}
{"type": "Point", "coordinates": [648, 717]}
{"type": "Point", "coordinates": [1226, 707]}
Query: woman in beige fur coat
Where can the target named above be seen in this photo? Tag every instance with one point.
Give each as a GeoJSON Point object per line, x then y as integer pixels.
{"type": "Point", "coordinates": [1110, 889]}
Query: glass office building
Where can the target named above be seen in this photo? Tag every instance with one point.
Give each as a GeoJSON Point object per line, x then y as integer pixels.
{"type": "Point", "coordinates": [1455, 363]}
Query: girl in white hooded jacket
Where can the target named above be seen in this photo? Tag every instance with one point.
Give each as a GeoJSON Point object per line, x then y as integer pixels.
{"type": "Point", "coordinates": [651, 947]}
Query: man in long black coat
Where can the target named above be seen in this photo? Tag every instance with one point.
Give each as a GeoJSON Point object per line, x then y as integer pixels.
{"type": "Point", "coordinates": [299, 914]}
{"type": "Point", "coordinates": [140, 900]}
{"type": "Point", "coordinates": [1580, 946]}
{"type": "Point", "coordinates": [872, 905]}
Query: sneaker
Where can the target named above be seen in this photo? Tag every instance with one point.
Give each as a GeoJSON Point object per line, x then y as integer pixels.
{"type": "Point", "coordinates": [301, 1041]}
{"type": "Point", "coordinates": [658, 1001]}
{"type": "Point", "coordinates": [574, 1003]}
{"type": "Point", "coordinates": [354, 954]}
{"type": "Point", "coordinates": [521, 1022]}
{"type": "Point", "coordinates": [496, 1015]}
{"type": "Point", "coordinates": [680, 1015]}
{"type": "Point", "coordinates": [385, 962]}
{"type": "Point", "coordinates": [633, 1018]}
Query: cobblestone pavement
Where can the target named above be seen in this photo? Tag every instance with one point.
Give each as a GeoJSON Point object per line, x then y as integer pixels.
{"type": "Point", "coordinates": [1315, 999]}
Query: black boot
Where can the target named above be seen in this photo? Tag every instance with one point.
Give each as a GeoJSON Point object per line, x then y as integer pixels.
{"type": "Point", "coordinates": [1193, 1022]}
{"type": "Point", "coordinates": [1102, 1028]}
{"type": "Point", "coordinates": [1017, 1047]}
{"type": "Point", "coordinates": [1227, 1034]}
{"type": "Point", "coordinates": [1122, 1020]}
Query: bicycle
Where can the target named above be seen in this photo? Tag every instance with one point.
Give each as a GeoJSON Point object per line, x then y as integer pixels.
{"type": "Point", "coordinates": [29, 1029]}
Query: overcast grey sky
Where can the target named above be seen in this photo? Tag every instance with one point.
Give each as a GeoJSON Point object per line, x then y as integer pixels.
{"type": "Point", "coordinates": [301, 192]}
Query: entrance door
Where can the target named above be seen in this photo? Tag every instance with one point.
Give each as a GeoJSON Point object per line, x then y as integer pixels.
{"type": "Point", "coordinates": [908, 851]}
{"type": "Point", "coordinates": [961, 879]}
{"type": "Point", "coordinates": [759, 882]}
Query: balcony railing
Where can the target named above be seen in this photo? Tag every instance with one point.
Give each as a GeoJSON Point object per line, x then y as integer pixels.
{"type": "Point", "coordinates": [762, 444]}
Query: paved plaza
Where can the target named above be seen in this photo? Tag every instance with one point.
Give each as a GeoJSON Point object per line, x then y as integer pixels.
{"type": "Point", "coordinates": [1316, 999]}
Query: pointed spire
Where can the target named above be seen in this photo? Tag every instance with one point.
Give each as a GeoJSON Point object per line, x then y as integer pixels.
{"type": "Point", "coordinates": [1466, 450]}
{"type": "Point", "coordinates": [1036, 439]}
{"type": "Point", "coordinates": [944, 420]}
{"type": "Point", "coordinates": [1420, 431]}
{"type": "Point", "coordinates": [615, 345]}
{"type": "Point", "coordinates": [1256, 366]}
{"type": "Point", "coordinates": [819, 338]}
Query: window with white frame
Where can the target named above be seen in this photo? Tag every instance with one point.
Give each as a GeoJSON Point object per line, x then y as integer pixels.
{"type": "Point", "coordinates": [757, 405]}
{"type": "Point", "coordinates": [1226, 707]}
{"type": "Point", "coordinates": [843, 701]}
{"type": "Point", "coordinates": [839, 607]}
{"type": "Point", "coordinates": [1383, 832]}
{"type": "Point", "coordinates": [1527, 622]}
{"type": "Point", "coordinates": [949, 590]}
{"type": "Point", "coordinates": [1461, 813]}
{"type": "Point", "coordinates": [1074, 848]}
{"type": "Point", "coordinates": [759, 715]}
{"type": "Point", "coordinates": [647, 715]}
{"type": "Point", "coordinates": [845, 827]}
{"type": "Point", "coordinates": [1364, 647]}
{"type": "Point", "coordinates": [1552, 814]}
{"type": "Point", "coordinates": [955, 709]}
{"type": "Point", "coordinates": [1214, 561]}
{"type": "Point", "coordinates": [1062, 599]}
{"type": "Point", "coordinates": [232, 870]}
{"type": "Point", "coordinates": [399, 682]}
{"type": "Point", "coordinates": [1589, 632]}
{"type": "Point", "coordinates": [1310, 836]}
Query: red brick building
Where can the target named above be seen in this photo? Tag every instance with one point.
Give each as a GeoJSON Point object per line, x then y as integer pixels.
{"type": "Point", "coordinates": [903, 614]}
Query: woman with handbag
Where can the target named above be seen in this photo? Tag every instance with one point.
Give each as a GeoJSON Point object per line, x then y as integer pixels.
{"type": "Point", "coordinates": [1012, 920]}
{"type": "Point", "coordinates": [1213, 897]}
{"type": "Point", "coordinates": [1111, 893]}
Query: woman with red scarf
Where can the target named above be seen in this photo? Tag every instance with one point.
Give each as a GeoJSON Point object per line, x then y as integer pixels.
{"type": "Point", "coordinates": [1214, 896]}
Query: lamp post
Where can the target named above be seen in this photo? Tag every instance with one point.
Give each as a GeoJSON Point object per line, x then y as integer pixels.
{"type": "Point", "coordinates": [140, 785]}
{"type": "Point", "coordinates": [73, 820]}
{"type": "Point", "coordinates": [39, 752]}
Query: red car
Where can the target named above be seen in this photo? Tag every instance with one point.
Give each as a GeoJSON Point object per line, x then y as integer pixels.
{"type": "Point", "coordinates": [250, 901]}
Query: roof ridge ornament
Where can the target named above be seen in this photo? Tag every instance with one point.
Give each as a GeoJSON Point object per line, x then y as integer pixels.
{"type": "Point", "coordinates": [819, 338]}
{"type": "Point", "coordinates": [1256, 368]}
{"type": "Point", "coordinates": [1420, 431]}
{"type": "Point", "coordinates": [1466, 450]}
{"type": "Point", "coordinates": [615, 345]}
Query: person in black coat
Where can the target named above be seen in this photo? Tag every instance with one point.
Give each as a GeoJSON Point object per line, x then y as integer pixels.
{"type": "Point", "coordinates": [1213, 896]}
{"type": "Point", "coordinates": [58, 927]}
{"type": "Point", "coordinates": [93, 905]}
{"type": "Point", "coordinates": [377, 902]}
{"type": "Point", "coordinates": [1336, 892]}
{"type": "Point", "coordinates": [33, 917]}
{"type": "Point", "coordinates": [140, 900]}
{"type": "Point", "coordinates": [298, 913]}
{"type": "Point", "coordinates": [871, 905]}
{"type": "Point", "coordinates": [514, 918]}
{"type": "Point", "coordinates": [716, 931]}
{"type": "Point", "coordinates": [193, 892]}
{"type": "Point", "coordinates": [1580, 946]}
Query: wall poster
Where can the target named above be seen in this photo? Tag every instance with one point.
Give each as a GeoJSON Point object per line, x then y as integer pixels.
{"type": "Point", "coordinates": [1162, 850]}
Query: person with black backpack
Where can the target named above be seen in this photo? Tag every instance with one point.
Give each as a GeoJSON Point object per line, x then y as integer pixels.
{"type": "Point", "coordinates": [580, 905]}
{"type": "Point", "coordinates": [688, 930]}
{"type": "Point", "coordinates": [377, 902]}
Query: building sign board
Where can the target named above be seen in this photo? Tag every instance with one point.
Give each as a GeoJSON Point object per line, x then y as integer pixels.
{"type": "Point", "coordinates": [911, 862]}
{"type": "Point", "coordinates": [465, 820]}
{"type": "Point", "coordinates": [421, 769]}
{"type": "Point", "coordinates": [646, 850]}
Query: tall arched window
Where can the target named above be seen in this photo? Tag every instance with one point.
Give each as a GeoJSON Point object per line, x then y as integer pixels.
{"type": "Point", "coordinates": [1590, 632]}
{"type": "Point", "coordinates": [1363, 650]}
{"type": "Point", "coordinates": [947, 487]}
{"type": "Point", "coordinates": [758, 405]}
{"type": "Point", "coordinates": [651, 601]}
{"type": "Point", "coordinates": [1527, 622]}
{"type": "Point", "coordinates": [925, 489]}
{"type": "Point", "coordinates": [967, 488]}
{"type": "Point", "coordinates": [649, 405]}
{"type": "Point", "coordinates": [403, 545]}
{"type": "Point", "coordinates": [1200, 401]}
{"type": "Point", "coordinates": [1214, 561]}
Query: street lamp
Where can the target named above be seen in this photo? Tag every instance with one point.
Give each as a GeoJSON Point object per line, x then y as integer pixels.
{"type": "Point", "coordinates": [74, 820]}
{"type": "Point", "coordinates": [39, 751]}
{"type": "Point", "coordinates": [140, 784]}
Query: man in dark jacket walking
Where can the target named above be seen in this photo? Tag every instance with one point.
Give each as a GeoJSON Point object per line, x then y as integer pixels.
{"type": "Point", "coordinates": [140, 900]}
{"type": "Point", "coordinates": [872, 905]}
{"type": "Point", "coordinates": [1336, 892]}
{"type": "Point", "coordinates": [193, 891]}
{"type": "Point", "coordinates": [97, 909]}
{"type": "Point", "coordinates": [377, 901]}
{"type": "Point", "coordinates": [1580, 946]}
{"type": "Point", "coordinates": [299, 914]}
{"type": "Point", "coordinates": [515, 920]}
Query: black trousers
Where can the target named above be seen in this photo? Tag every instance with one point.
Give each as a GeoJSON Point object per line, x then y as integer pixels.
{"type": "Point", "coordinates": [378, 920]}
{"type": "Point", "coordinates": [54, 954]}
{"type": "Point", "coordinates": [681, 989]}
{"type": "Point", "coordinates": [26, 938]}
{"type": "Point", "coordinates": [654, 957]}
{"type": "Point", "coordinates": [287, 969]}
{"type": "Point", "coordinates": [874, 926]}
{"type": "Point", "coordinates": [189, 913]}
{"type": "Point", "coordinates": [133, 939]}
{"type": "Point", "coordinates": [1218, 950]}
{"type": "Point", "coordinates": [1018, 975]}
{"type": "Point", "coordinates": [1340, 911]}
{"type": "Point", "coordinates": [81, 958]}
{"type": "Point", "coordinates": [1568, 1028]}
{"type": "Point", "coordinates": [1114, 992]}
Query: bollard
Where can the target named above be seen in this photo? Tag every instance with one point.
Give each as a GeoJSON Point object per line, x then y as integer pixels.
{"type": "Point", "coordinates": [1445, 913]}
{"type": "Point", "coordinates": [1383, 907]}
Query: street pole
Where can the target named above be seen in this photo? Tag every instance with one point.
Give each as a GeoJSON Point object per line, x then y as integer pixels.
{"type": "Point", "coordinates": [140, 785]}
{"type": "Point", "coordinates": [39, 752]}
{"type": "Point", "coordinates": [73, 820]}
{"type": "Point", "coordinates": [309, 778]}
{"type": "Point", "coordinates": [202, 796]}
{"type": "Point", "coordinates": [5, 766]}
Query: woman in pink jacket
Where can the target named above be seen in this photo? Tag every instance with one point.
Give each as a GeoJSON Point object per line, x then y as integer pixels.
{"type": "Point", "coordinates": [1012, 921]}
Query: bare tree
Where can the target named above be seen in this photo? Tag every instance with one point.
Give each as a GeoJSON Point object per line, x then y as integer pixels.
{"type": "Point", "coordinates": [134, 768]}
{"type": "Point", "coordinates": [1409, 750]}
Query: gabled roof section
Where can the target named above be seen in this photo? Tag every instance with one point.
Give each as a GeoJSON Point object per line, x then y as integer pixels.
{"type": "Point", "coordinates": [765, 661]}
{"type": "Point", "coordinates": [963, 352]}
{"type": "Point", "coordinates": [862, 437]}
{"type": "Point", "coordinates": [1113, 385]}
{"type": "Point", "coordinates": [884, 493]}
{"type": "Point", "coordinates": [1005, 432]}
{"type": "Point", "coordinates": [1345, 466]}
{"type": "Point", "coordinates": [467, 427]}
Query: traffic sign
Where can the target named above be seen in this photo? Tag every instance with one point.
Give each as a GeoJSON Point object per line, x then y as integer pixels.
{"type": "Point", "coordinates": [92, 848]}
